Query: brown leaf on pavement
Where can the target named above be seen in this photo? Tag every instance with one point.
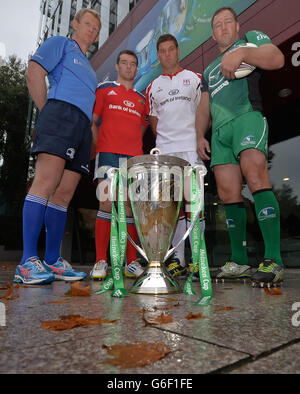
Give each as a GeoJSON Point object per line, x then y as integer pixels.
{"type": "Point", "coordinates": [224, 308]}
{"type": "Point", "coordinates": [67, 322]}
{"type": "Point", "coordinates": [5, 287]}
{"type": "Point", "coordinates": [139, 354]}
{"type": "Point", "coordinates": [55, 302]}
{"type": "Point", "coordinates": [165, 307]}
{"type": "Point", "coordinates": [192, 315]}
{"type": "Point", "coordinates": [274, 291]}
{"type": "Point", "coordinates": [58, 325]}
{"type": "Point", "coordinates": [77, 290]}
{"type": "Point", "coordinates": [10, 294]}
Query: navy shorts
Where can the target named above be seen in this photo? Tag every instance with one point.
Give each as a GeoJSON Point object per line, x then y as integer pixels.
{"type": "Point", "coordinates": [106, 160]}
{"type": "Point", "coordinates": [64, 130]}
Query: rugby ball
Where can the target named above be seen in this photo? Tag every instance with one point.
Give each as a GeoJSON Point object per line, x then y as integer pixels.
{"type": "Point", "coordinates": [244, 69]}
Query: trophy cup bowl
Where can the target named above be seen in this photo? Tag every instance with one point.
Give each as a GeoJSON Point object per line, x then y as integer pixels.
{"type": "Point", "coordinates": [155, 189]}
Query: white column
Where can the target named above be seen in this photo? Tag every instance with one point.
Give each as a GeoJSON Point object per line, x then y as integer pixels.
{"type": "Point", "coordinates": [41, 21]}
{"type": "Point", "coordinates": [56, 22]}
{"type": "Point", "coordinates": [52, 14]}
{"type": "Point", "coordinates": [65, 18]}
{"type": "Point", "coordinates": [104, 15]}
{"type": "Point", "coordinates": [122, 10]}
{"type": "Point", "coordinates": [79, 5]}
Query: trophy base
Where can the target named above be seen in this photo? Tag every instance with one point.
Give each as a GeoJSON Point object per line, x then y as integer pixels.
{"type": "Point", "coordinates": [155, 280]}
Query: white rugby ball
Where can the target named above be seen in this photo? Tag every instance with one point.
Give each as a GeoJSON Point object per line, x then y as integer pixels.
{"type": "Point", "coordinates": [244, 69]}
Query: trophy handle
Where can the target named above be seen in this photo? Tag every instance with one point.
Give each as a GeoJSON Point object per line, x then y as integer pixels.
{"type": "Point", "coordinates": [138, 248]}
{"type": "Point", "coordinates": [201, 170]}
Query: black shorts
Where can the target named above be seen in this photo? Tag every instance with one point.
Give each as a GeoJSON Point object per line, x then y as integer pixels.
{"type": "Point", "coordinates": [64, 130]}
{"type": "Point", "coordinates": [105, 160]}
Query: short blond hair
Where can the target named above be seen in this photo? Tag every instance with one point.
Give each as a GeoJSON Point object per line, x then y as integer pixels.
{"type": "Point", "coordinates": [83, 11]}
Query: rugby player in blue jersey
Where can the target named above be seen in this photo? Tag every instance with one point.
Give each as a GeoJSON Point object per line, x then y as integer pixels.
{"type": "Point", "coordinates": [62, 144]}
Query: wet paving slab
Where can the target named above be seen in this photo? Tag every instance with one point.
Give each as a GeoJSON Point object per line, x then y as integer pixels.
{"type": "Point", "coordinates": [243, 330]}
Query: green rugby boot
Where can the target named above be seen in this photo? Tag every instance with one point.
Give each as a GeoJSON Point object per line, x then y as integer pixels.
{"type": "Point", "coordinates": [231, 270]}
{"type": "Point", "coordinates": [268, 274]}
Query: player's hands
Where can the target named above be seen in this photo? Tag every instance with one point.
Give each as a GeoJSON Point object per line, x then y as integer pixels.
{"type": "Point", "coordinates": [202, 148]}
{"type": "Point", "coordinates": [230, 62]}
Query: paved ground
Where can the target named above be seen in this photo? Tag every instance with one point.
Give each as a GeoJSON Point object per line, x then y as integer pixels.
{"type": "Point", "coordinates": [243, 331]}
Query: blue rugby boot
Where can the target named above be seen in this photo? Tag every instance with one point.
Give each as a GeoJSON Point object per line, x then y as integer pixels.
{"type": "Point", "coordinates": [32, 272]}
{"type": "Point", "coordinates": [62, 270]}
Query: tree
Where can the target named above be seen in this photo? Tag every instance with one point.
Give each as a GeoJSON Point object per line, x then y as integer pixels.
{"type": "Point", "coordinates": [14, 154]}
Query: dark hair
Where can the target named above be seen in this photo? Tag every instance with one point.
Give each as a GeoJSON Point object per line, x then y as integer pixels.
{"type": "Point", "coordinates": [224, 9]}
{"type": "Point", "coordinates": [127, 52]}
{"type": "Point", "coordinates": [164, 38]}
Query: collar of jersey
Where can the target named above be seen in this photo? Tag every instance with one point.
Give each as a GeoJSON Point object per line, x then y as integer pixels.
{"type": "Point", "coordinates": [72, 39]}
{"type": "Point", "coordinates": [120, 85]}
{"type": "Point", "coordinates": [173, 75]}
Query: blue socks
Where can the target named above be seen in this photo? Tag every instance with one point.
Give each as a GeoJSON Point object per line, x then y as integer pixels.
{"type": "Point", "coordinates": [55, 221]}
{"type": "Point", "coordinates": [35, 210]}
{"type": "Point", "coordinates": [33, 220]}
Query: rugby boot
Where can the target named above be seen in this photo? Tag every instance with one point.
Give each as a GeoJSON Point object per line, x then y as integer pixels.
{"type": "Point", "coordinates": [268, 274]}
{"type": "Point", "coordinates": [231, 270]}
{"type": "Point", "coordinates": [176, 269]}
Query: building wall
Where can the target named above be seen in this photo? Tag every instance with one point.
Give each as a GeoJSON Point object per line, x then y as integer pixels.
{"type": "Point", "coordinates": [280, 19]}
{"type": "Point", "coordinates": [277, 18]}
{"type": "Point", "coordinates": [56, 16]}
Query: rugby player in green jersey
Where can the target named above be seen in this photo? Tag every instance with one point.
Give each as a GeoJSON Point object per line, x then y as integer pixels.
{"type": "Point", "coordinates": [239, 143]}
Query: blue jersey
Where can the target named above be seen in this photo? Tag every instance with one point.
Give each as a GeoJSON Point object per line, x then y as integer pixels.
{"type": "Point", "coordinates": [71, 77]}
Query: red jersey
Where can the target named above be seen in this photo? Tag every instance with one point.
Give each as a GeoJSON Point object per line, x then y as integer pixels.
{"type": "Point", "coordinates": [122, 114]}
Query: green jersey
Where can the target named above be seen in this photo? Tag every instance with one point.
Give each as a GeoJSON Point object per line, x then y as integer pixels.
{"type": "Point", "coordinates": [231, 98]}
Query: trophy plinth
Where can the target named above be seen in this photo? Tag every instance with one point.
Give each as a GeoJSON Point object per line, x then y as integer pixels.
{"type": "Point", "coordinates": [155, 280]}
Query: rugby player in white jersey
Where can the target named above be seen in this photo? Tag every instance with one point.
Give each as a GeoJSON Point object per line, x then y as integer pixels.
{"type": "Point", "coordinates": [171, 103]}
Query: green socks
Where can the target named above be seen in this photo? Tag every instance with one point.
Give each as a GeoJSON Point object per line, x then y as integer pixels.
{"type": "Point", "coordinates": [236, 220]}
{"type": "Point", "coordinates": [268, 216]}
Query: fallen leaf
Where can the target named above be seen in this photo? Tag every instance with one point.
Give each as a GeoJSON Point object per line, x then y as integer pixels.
{"type": "Point", "coordinates": [77, 290]}
{"type": "Point", "coordinates": [274, 291]}
{"type": "Point", "coordinates": [7, 286]}
{"type": "Point", "coordinates": [55, 302]}
{"type": "Point", "coordinates": [224, 308]}
{"type": "Point", "coordinates": [58, 325]}
{"type": "Point", "coordinates": [165, 307]}
{"type": "Point", "coordinates": [194, 316]}
{"type": "Point", "coordinates": [28, 286]}
{"type": "Point", "coordinates": [10, 295]}
{"type": "Point", "coordinates": [158, 319]}
{"type": "Point", "coordinates": [67, 322]}
{"type": "Point", "coordinates": [139, 354]}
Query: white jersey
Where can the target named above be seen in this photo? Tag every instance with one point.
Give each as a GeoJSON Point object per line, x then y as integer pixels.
{"type": "Point", "coordinates": [173, 99]}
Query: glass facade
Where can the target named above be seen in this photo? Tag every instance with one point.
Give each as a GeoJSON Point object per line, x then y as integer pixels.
{"type": "Point", "coordinates": [284, 145]}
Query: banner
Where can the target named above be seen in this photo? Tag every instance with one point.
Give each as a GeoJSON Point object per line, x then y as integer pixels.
{"type": "Point", "coordinates": [187, 20]}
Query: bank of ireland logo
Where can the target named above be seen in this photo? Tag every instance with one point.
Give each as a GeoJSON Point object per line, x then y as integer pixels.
{"type": "Point", "coordinates": [230, 223]}
{"type": "Point", "coordinates": [129, 104]}
{"type": "Point", "coordinates": [173, 92]}
{"type": "Point", "coordinates": [266, 213]}
{"type": "Point", "coordinates": [249, 140]}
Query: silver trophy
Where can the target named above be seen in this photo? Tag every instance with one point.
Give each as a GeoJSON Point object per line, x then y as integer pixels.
{"type": "Point", "coordinates": [155, 189]}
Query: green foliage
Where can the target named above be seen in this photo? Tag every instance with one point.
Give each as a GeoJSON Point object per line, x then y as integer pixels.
{"type": "Point", "coordinates": [13, 145]}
